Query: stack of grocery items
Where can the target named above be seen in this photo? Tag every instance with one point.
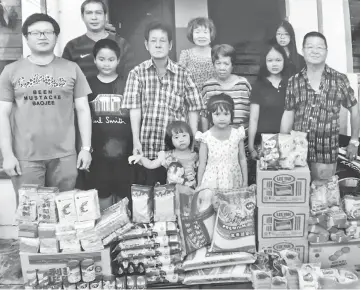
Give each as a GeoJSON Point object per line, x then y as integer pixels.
{"type": "Point", "coordinates": [286, 271]}
{"type": "Point", "coordinates": [62, 237]}
{"type": "Point", "coordinates": [334, 230]}
{"type": "Point", "coordinates": [218, 234]}
{"type": "Point", "coordinates": [283, 186]}
{"type": "Point", "coordinates": [152, 243]}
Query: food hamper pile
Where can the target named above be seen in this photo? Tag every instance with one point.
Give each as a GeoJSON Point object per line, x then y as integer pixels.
{"type": "Point", "coordinates": [177, 235]}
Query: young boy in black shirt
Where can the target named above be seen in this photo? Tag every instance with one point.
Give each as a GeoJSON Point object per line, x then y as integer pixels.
{"type": "Point", "coordinates": [111, 131]}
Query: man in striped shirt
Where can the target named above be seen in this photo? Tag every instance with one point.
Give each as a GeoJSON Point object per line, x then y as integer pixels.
{"type": "Point", "coordinates": [313, 103]}
{"type": "Point", "coordinates": [158, 91]}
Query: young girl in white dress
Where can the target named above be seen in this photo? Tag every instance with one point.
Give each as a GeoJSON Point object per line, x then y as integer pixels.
{"type": "Point", "coordinates": [222, 157]}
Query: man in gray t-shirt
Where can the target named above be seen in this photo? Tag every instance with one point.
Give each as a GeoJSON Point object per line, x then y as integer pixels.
{"type": "Point", "coordinates": [41, 91]}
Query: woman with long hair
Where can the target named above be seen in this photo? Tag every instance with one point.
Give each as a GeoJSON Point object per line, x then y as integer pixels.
{"type": "Point", "coordinates": [285, 37]}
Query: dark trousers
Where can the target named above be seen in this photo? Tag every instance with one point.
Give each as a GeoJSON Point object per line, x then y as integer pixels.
{"type": "Point", "coordinates": [144, 176]}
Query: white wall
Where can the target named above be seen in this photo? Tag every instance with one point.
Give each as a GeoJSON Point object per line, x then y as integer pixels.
{"type": "Point", "coordinates": [303, 17]}
{"type": "Point", "coordinates": [185, 10]}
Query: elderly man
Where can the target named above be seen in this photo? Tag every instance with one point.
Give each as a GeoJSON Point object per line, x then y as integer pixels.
{"type": "Point", "coordinates": [313, 102]}
{"type": "Point", "coordinates": [158, 91]}
{"type": "Point", "coordinates": [38, 95]}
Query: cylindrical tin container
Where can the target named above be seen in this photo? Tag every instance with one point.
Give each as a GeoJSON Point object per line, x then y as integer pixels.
{"type": "Point", "coordinates": [73, 271]}
{"type": "Point", "coordinates": [88, 270]}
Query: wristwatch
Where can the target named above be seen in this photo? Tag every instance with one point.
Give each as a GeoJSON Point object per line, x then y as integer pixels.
{"type": "Point", "coordinates": [87, 148]}
{"type": "Point", "coordinates": [354, 142]}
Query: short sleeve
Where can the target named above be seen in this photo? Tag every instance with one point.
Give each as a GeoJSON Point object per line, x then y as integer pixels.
{"type": "Point", "coordinates": [240, 133]}
{"type": "Point", "coordinates": [6, 88]}
{"type": "Point", "coordinates": [66, 53]}
{"type": "Point", "coordinates": [192, 96]}
{"type": "Point", "coordinates": [183, 58]}
{"type": "Point", "coordinates": [201, 137]}
{"type": "Point", "coordinates": [348, 95]}
{"type": "Point", "coordinates": [255, 96]}
{"type": "Point", "coordinates": [290, 100]}
{"type": "Point", "coordinates": [133, 91]}
{"type": "Point", "coordinates": [81, 86]}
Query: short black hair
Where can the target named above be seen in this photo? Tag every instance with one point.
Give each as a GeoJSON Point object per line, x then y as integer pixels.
{"type": "Point", "coordinates": [222, 102]}
{"type": "Point", "coordinates": [224, 50]}
{"type": "Point", "coordinates": [86, 2]}
{"type": "Point", "coordinates": [177, 127]}
{"type": "Point", "coordinates": [272, 44]}
{"type": "Point", "coordinates": [38, 17]}
{"type": "Point", "coordinates": [155, 25]}
{"type": "Point", "coordinates": [314, 34]}
{"type": "Point", "coordinates": [106, 43]}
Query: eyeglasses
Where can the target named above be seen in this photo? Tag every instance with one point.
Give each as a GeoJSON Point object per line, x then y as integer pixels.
{"type": "Point", "coordinates": [38, 34]}
{"type": "Point", "coordinates": [282, 34]}
{"type": "Point", "coordinates": [315, 48]}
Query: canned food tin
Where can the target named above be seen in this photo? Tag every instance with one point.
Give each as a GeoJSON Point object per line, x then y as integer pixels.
{"type": "Point", "coordinates": [82, 285]}
{"type": "Point", "coordinates": [109, 282]}
{"type": "Point", "coordinates": [96, 284]}
{"type": "Point", "coordinates": [88, 270]}
{"type": "Point", "coordinates": [73, 271]}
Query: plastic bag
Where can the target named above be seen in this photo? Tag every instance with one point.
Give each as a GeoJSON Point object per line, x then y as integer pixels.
{"type": "Point", "coordinates": [28, 198]}
{"type": "Point", "coordinates": [196, 217]}
{"type": "Point", "coordinates": [203, 258]}
{"type": "Point", "coordinates": [270, 153]}
{"type": "Point", "coordinates": [301, 147]}
{"type": "Point", "coordinates": [164, 203]}
{"type": "Point", "coordinates": [142, 196]}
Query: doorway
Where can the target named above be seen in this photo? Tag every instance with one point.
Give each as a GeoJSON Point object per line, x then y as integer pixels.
{"type": "Point", "coordinates": [130, 19]}
{"type": "Point", "coordinates": [246, 25]}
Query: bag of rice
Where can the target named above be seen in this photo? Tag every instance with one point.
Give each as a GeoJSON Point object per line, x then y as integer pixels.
{"type": "Point", "coordinates": [202, 258]}
{"type": "Point", "coordinates": [235, 223]}
{"type": "Point", "coordinates": [142, 196]}
{"type": "Point", "coordinates": [196, 217]}
{"type": "Point", "coordinates": [164, 203]}
{"type": "Point", "coordinates": [228, 274]}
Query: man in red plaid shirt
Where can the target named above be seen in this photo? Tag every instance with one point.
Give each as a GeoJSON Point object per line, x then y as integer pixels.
{"type": "Point", "coordinates": [158, 91]}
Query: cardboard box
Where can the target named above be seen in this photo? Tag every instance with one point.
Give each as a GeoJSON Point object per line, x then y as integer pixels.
{"type": "Point", "coordinates": [277, 245]}
{"type": "Point", "coordinates": [31, 261]}
{"type": "Point", "coordinates": [281, 222]}
{"type": "Point", "coordinates": [282, 187]}
{"type": "Point", "coordinates": [334, 255]}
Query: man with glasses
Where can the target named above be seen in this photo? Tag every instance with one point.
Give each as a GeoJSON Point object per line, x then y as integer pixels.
{"type": "Point", "coordinates": [313, 103]}
{"type": "Point", "coordinates": [80, 49]}
{"type": "Point", "coordinates": [37, 100]}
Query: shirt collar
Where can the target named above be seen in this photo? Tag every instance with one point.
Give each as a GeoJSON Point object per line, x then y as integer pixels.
{"type": "Point", "coordinates": [170, 65]}
{"type": "Point", "coordinates": [327, 70]}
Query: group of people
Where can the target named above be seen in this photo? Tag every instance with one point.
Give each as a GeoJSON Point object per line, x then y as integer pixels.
{"type": "Point", "coordinates": [134, 123]}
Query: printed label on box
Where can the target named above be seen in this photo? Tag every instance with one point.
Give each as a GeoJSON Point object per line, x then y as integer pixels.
{"type": "Point", "coordinates": [298, 245]}
{"type": "Point", "coordinates": [334, 255]}
{"type": "Point", "coordinates": [283, 223]}
{"type": "Point", "coordinates": [283, 188]}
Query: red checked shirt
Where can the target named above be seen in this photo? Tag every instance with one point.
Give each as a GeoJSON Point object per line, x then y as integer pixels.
{"type": "Point", "coordinates": [318, 113]}
{"type": "Point", "coordinates": [162, 101]}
